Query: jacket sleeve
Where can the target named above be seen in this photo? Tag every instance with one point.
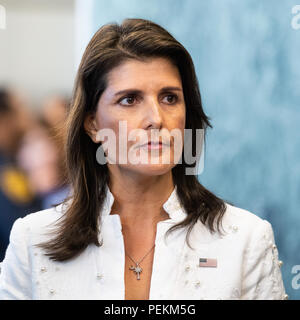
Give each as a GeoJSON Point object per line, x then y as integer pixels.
{"type": "Point", "coordinates": [262, 279]}
{"type": "Point", "coordinates": [15, 280]}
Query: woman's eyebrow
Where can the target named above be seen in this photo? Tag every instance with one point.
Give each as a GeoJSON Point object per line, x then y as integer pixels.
{"type": "Point", "coordinates": [137, 91]}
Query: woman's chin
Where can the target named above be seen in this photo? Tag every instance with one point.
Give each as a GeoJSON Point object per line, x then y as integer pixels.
{"type": "Point", "coordinates": [153, 169]}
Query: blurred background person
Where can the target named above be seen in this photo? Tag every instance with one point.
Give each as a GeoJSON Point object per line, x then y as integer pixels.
{"type": "Point", "coordinates": [16, 196]}
{"type": "Point", "coordinates": [41, 154]}
{"type": "Point", "coordinates": [54, 111]}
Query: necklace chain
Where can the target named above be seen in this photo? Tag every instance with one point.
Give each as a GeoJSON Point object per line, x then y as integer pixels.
{"type": "Point", "coordinates": [137, 263]}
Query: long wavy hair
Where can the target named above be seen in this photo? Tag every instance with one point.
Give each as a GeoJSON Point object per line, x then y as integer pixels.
{"type": "Point", "coordinates": [111, 45]}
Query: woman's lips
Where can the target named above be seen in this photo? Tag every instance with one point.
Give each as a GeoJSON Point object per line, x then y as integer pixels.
{"type": "Point", "coordinates": [154, 145]}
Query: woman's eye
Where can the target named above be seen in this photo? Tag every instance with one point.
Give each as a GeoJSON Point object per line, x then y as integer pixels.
{"type": "Point", "coordinates": [171, 98]}
{"type": "Point", "coordinates": [129, 99]}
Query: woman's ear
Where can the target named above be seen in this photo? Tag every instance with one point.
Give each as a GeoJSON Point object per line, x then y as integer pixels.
{"type": "Point", "coordinates": [91, 127]}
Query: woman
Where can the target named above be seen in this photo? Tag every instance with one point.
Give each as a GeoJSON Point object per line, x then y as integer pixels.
{"type": "Point", "coordinates": [138, 230]}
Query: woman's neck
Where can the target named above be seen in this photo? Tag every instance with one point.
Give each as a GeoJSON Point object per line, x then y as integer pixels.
{"type": "Point", "coordinates": [141, 201]}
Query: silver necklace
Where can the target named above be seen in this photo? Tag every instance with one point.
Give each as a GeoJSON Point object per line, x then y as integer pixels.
{"type": "Point", "coordinates": [137, 269]}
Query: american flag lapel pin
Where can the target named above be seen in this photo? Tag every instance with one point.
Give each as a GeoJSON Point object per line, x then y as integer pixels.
{"type": "Point", "coordinates": [205, 262]}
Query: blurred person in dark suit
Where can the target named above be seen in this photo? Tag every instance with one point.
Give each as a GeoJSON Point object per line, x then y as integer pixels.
{"type": "Point", "coordinates": [16, 197]}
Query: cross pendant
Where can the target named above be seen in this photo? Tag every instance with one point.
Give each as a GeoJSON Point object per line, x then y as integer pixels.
{"type": "Point", "coordinates": [137, 269]}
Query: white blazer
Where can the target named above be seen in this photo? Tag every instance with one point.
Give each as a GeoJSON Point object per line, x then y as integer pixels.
{"type": "Point", "coordinates": [247, 265]}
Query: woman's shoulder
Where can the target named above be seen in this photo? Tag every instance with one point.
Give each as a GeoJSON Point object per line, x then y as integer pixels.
{"type": "Point", "coordinates": [239, 225]}
{"type": "Point", "coordinates": [241, 215]}
{"type": "Point", "coordinates": [38, 222]}
{"type": "Point", "coordinates": [44, 216]}
{"type": "Point", "coordinates": [245, 222]}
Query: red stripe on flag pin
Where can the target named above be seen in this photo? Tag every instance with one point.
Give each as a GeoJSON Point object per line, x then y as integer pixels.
{"type": "Point", "coordinates": [205, 262]}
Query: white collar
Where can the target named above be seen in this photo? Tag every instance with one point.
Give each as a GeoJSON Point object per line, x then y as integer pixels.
{"type": "Point", "coordinates": [172, 206]}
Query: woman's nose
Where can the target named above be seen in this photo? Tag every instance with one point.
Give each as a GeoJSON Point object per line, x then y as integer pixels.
{"type": "Point", "coordinates": [154, 113]}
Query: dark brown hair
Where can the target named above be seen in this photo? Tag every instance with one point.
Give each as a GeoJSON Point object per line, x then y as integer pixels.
{"type": "Point", "coordinates": [111, 45]}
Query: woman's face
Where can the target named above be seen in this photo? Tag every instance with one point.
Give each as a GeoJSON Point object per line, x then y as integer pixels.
{"type": "Point", "coordinates": [147, 96]}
